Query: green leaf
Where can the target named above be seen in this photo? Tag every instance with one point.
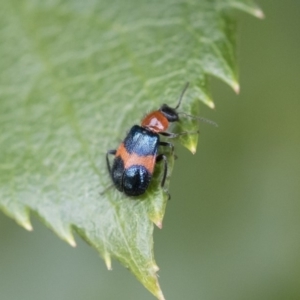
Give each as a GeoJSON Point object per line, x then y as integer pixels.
{"type": "Point", "coordinates": [74, 77]}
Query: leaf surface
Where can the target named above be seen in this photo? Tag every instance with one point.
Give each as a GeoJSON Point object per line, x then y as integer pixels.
{"type": "Point", "coordinates": [74, 76]}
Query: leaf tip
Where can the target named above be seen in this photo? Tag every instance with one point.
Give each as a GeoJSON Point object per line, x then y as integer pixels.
{"type": "Point", "coordinates": [159, 224]}
{"type": "Point", "coordinates": [236, 87]}
{"type": "Point", "coordinates": [22, 218]}
{"type": "Point", "coordinates": [193, 149]}
{"type": "Point", "coordinates": [27, 225]}
{"type": "Point", "coordinates": [259, 13]}
{"type": "Point", "coordinates": [191, 145]}
{"type": "Point", "coordinates": [70, 240]}
{"type": "Point", "coordinates": [107, 260]}
{"type": "Point", "coordinates": [160, 296]}
{"type": "Point", "coordinates": [211, 104]}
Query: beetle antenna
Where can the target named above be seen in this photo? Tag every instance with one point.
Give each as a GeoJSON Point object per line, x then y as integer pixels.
{"type": "Point", "coordinates": [200, 119]}
{"type": "Point", "coordinates": [182, 93]}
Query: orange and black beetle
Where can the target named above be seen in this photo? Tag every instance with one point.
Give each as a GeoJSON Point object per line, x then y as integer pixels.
{"type": "Point", "coordinates": [135, 159]}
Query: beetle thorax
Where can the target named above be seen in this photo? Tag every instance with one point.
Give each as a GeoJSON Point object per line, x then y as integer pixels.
{"type": "Point", "coordinates": [155, 121]}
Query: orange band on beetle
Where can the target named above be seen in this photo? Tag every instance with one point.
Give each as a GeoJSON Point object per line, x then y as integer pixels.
{"type": "Point", "coordinates": [131, 159]}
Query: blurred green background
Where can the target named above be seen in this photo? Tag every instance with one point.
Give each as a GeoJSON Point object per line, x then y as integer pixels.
{"type": "Point", "coordinates": [232, 228]}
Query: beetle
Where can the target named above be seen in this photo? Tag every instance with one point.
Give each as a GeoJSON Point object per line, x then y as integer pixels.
{"type": "Point", "coordinates": [135, 158]}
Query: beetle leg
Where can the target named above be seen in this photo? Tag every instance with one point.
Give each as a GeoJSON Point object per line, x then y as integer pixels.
{"type": "Point", "coordinates": [164, 158]}
{"type": "Point", "coordinates": [167, 144]}
{"type": "Point", "coordinates": [173, 135]}
{"type": "Point", "coordinates": [112, 152]}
